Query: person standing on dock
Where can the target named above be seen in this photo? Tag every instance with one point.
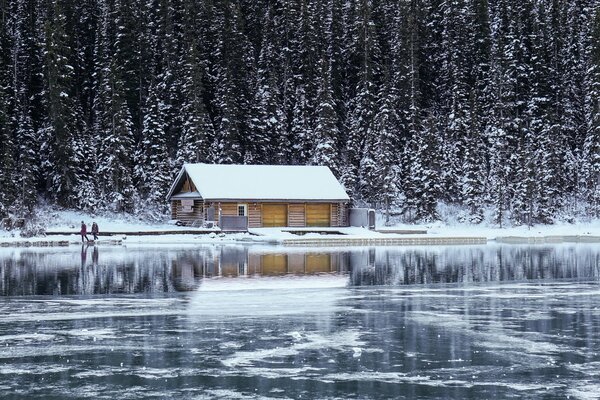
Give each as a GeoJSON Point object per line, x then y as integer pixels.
{"type": "Point", "coordinates": [84, 232]}
{"type": "Point", "coordinates": [95, 230]}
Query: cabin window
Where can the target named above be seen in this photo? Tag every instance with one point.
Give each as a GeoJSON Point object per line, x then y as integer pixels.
{"type": "Point", "coordinates": [242, 210]}
{"type": "Point", "coordinates": [187, 205]}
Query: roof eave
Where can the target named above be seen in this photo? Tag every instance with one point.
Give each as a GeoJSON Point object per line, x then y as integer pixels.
{"type": "Point", "coordinates": [174, 184]}
{"type": "Point", "coordinates": [252, 200]}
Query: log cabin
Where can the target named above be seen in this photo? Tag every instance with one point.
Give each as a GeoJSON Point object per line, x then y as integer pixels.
{"type": "Point", "coordinates": [237, 197]}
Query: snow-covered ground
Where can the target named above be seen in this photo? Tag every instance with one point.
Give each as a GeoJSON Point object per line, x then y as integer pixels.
{"type": "Point", "coordinates": [491, 232]}
{"type": "Point", "coordinates": [69, 221]}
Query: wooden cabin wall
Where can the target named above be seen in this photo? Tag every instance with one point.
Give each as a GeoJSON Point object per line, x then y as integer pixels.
{"type": "Point", "coordinates": [296, 215]}
{"type": "Point", "coordinates": [342, 212]}
{"type": "Point", "coordinates": [227, 208]}
{"type": "Point", "coordinates": [173, 209]}
{"type": "Point", "coordinates": [254, 215]}
{"type": "Point", "coordinates": [186, 217]}
{"type": "Point", "coordinates": [188, 185]}
{"type": "Point", "coordinates": [334, 215]}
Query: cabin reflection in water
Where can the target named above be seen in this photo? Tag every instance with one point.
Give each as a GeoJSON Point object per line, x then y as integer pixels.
{"type": "Point", "coordinates": [246, 261]}
{"type": "Point", "coordinates": [99, 270]}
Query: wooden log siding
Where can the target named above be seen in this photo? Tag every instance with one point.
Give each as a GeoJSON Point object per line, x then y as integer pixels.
{"type": "Point", "coordinates": [188, 186]}
{"type": "Point", "coordinates": [254, 215]}
{"type": "Point", "coordinates": [296, 215]}
{"type": "Point", "coordinates": [342, 214]}
{"type": "Point", "coordinates": [174, 209]}
{"type": "Point", "coordinates": [333, 212]}
{"type": "Point", "coordinates": [187, 217]}
{"type": "Point", "coordinates": [225, 208]}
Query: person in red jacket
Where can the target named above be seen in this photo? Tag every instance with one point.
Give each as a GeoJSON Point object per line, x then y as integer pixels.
{"type": "Point", "coordinates": [84, 232]}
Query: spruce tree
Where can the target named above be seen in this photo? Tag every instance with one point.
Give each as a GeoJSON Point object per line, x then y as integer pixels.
{"type": "Point", "coordinates": [114, 119]}
{"type": "Point", "coordinates": [324, 151]}
{"type": "Point", "coordinates": [591, 147]}
{"type": "Point", "coordinates": [198, 131]}
{"type": "Point", "coordinates": [153, 166]}
{"type": "Point", "coordinates": [7, 144]}
{"type": "Point", "coordinates": [64, 128]}
{"type": "Point", "coordinates": [384, 177]}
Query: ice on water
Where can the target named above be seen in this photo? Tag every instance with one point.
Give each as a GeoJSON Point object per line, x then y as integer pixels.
{"type": "Point", "coordinates": [383, 323]}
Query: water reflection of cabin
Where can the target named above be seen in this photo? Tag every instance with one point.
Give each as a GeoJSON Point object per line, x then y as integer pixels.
{"type": "Point", "coordinates": [243, 263]}
{"type": "Point", "coordinates": [236, 197]}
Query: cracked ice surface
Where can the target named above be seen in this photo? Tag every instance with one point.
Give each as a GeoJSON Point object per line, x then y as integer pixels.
{"type": "Point", "coordinates": [462, 322]}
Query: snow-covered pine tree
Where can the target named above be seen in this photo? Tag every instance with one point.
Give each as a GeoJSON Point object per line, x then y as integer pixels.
{"type": "Point", "coordinates": [64, 129]}
{"type": "Point", "coordinates": [456, 57]}
{"type": "Point", "coordinates": [7, 145]}
{"type": "Point", "coordinates": [233, 88]}
{"type": "Point", "coordinates": [114, 120]}
{"type": "Point", "coordinates": [497, 130]}
{"type": "Point", "coordinates": [473, 166]}
{"type": "Point", "coordinates": [305, 68]}
{"type": "Point", "coordinates": [28, 108]}
{"type": "Point", "coordinates": [27, 172]}
{"type": "Point", "coordinates": [362, 107]}
{"type": "Point", "coordinates": [153, 166]}
{"type": "Point", "coordinates": [268, 139]}
{"type": "Point", "coordinates": [198, 131]}
{"type": "Point", "coordinates": [171, 57]}
{"type": "Point", "coordinates": [302, 129]}
{"type": "Point", "coordinates": [384, 176]}
{"type": "Point", "coordinates": [324, 151]}
{"type": "Point", "coordinates": [407, 79]}
{"type": "Point", "coordinates": [591, 147]}
{"type": "Point", "coordinates": [572, 96]}
{"type": "Point", "coordinates": [546, 142]}
{"type": "Point", "coordinates": [421, 186]}
{"type": "Point", "coordinates": [7, 193]}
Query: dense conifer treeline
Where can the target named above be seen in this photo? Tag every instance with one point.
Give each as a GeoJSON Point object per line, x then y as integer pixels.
{"type": "Point", "coordinates": [480, 103]}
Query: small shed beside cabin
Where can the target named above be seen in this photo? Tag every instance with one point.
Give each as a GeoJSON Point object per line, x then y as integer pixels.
{"type": "Point", "coordinates": [237, 197]}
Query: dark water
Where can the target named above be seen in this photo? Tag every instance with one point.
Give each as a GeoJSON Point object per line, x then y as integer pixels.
{"type": "Point", "coordinates": [264, 322]}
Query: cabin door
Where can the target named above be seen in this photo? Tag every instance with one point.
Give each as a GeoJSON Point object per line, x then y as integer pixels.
{"type": "Point", "coordinates": [274, 215]}
{"type": "Point", "coordinates": [318, 214]}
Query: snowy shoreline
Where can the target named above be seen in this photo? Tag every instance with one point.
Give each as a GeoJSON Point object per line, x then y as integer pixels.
{"type": "Point", "coordinates": [337, 236]}
{"type": "Point", "coordinates": [137, 232]}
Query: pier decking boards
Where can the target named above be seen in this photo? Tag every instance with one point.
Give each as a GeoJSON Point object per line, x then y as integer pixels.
{"type": "Point", "coordinates": [383, 241]}
{"type": "Point", "coordinates": [548, 239]}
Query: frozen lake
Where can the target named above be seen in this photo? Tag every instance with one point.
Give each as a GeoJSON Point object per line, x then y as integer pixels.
{"type": "Point", "coordinates": [235, 322]}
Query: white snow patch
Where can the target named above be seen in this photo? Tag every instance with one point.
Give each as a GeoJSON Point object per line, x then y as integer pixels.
{"type": "Point", "coordinates": [27, 337]}
{"type": "Point", "coordinates": [344, 341]}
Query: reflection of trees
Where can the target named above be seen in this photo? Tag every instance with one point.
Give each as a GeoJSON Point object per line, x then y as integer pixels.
{"type": "Point", "coordinates": [402, 266]}
{"type": "Point", "coordinates": [121, 270]}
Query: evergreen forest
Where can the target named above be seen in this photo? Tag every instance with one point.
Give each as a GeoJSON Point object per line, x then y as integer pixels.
{"type": "Point", "coordinates": [487, 105]}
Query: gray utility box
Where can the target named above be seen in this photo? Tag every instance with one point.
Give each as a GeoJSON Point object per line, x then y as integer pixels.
{"type": "Point", "coordinates": [234, 223]}
{"type": "Point", "coordinates": [363, 217]}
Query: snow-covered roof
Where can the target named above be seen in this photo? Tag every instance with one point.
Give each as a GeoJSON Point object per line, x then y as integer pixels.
{"type": "Point", "coordinates": [263, 182]}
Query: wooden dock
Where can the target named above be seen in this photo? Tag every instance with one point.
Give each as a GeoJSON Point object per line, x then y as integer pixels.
{"type": "Point", "coordinates": [548, 239]}
{"type": "Point", "coordinates": [382, 241]}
